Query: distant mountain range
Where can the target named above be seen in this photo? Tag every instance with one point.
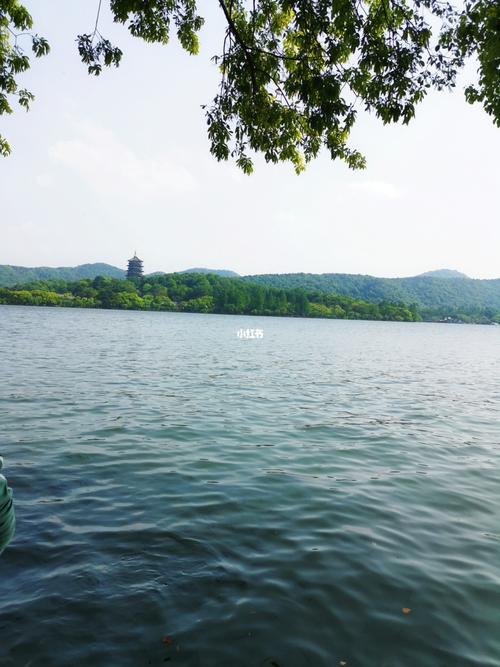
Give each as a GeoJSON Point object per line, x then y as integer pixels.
{"type": "Point", "coordinates": [16, 275]}
{"type": "Point", "coordinates": [433, 289]}
{"type": "Point", "coordinates": [426, 291]}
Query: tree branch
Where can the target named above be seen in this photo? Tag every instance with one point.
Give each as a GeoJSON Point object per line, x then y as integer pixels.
{"type": "Point", "coordinates": [241, 42]}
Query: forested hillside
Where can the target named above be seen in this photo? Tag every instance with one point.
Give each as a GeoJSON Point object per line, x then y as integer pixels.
{"type": "Point", "coordinates": [425, 291]}
{"type": "Point", "coordinates": [442, 294]}
{"type": "Point", "coordinates": [15, 275]}
{"type": "Point", "coordinates": [201, 293]}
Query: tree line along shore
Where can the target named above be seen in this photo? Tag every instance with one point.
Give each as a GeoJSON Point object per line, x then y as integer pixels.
{"type": "Point", "coordinates": [209, 293]}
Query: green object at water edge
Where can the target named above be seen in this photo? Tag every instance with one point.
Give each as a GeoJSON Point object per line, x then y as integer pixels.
{"type": "Point", "coordinates": [7, 516]}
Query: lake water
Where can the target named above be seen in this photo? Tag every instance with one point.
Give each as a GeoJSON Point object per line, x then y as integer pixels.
{"type": "Point", "coordinates": [327, 495]}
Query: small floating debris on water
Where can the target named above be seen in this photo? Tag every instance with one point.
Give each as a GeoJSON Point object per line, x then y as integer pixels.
{"type": "Point", "coordinates": [7, 516]}
{"type": "Point", "coordinates": [167, 640]}
{"type": "Point", "coordinates": [406, 610]}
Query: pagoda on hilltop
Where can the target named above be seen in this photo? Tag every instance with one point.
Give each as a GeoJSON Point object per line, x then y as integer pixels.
{"type": "Point", "coordinates": [135, 269]}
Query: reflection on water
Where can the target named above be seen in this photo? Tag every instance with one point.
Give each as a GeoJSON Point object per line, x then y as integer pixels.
{"type": "Point", "coordinates": [325, 495]}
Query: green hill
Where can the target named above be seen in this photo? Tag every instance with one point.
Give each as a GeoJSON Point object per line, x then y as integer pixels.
{"type": "Point", "coordinates": [425, 291]}
{"type": "Point", "coordinates": [443, 273]}
{"type": "Point", "coordinates": [435, 289]}
{"type": "Point", "coordinates": [200, 293]}
{"type": "Point", "coordinates": [224, 273]}
{"type": "Point", "coordinates": [17, 275]}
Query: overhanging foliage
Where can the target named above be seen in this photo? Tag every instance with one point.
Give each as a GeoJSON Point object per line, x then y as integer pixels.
{"type": "Point", "coordinates": [295, 73]}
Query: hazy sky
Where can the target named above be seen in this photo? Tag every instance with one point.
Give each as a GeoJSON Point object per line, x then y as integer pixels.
{"type": "Point", "coordinates": [105, 166]}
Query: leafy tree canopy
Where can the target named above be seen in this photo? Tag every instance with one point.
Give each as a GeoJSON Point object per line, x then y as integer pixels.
{"type": "Point", "coordinates": [295, 73]}
{"type": "Point", "coordinates": [209, 293]}
{"type": "Point", "coordinates": [200, 293]}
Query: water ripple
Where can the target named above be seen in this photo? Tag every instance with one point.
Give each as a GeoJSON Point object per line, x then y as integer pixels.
{"type": "Point", "coordinates": [328, 496]}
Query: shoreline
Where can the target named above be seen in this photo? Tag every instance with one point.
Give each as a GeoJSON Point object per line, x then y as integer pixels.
{"type": "Point", "coordinates": [295, 317]}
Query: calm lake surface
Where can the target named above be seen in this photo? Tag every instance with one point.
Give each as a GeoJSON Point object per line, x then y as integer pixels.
{"type": "Point", "coordinates": [187, 497]}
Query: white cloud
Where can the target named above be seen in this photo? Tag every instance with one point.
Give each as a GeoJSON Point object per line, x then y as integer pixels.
{"type": "Point", "coordinates": [379, 189]}
{"type": "Point", "coordinates": [111, 167]}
